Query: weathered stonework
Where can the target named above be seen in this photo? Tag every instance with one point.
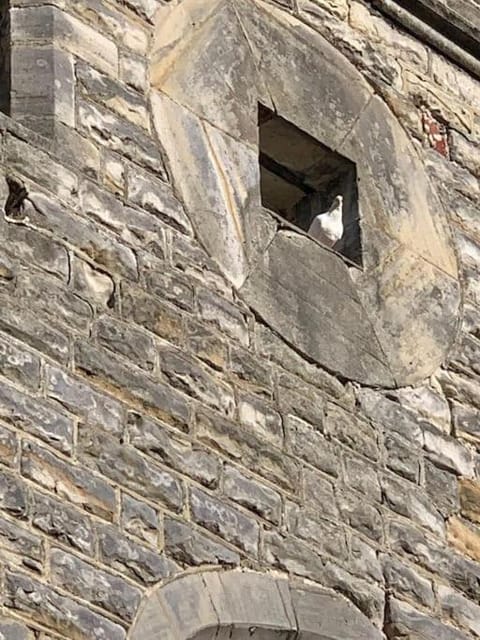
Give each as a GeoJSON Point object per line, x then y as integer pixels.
{"type": "Point", "coordinates": [185, 450]}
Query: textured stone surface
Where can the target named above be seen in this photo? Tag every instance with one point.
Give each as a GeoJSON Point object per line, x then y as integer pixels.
{"type": "Point", "coordinates": [152, 423]}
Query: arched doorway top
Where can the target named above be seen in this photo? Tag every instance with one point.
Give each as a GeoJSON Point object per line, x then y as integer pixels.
{"type": "Point", "coordinates": [246, 604]}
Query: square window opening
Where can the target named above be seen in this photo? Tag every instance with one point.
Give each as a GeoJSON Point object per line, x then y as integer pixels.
{"type": "Point", "coordinates": [309, 185]}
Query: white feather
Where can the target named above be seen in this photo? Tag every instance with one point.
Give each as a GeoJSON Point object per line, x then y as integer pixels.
{"type": "Point", "coordinates": [327, 227]}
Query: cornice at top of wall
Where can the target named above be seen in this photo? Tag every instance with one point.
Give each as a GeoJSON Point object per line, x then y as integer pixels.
{"type": "Point", "coordinates": [451, 26]}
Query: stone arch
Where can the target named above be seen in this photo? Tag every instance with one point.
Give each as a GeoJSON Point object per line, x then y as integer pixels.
{"type": "Point", "coordinates": [244, 604]}
{"type": "Point", "coordinates": [390, 324]}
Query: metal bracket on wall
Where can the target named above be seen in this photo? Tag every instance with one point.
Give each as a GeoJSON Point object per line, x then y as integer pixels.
{"type": "Point", "coordinates": [452, 27]}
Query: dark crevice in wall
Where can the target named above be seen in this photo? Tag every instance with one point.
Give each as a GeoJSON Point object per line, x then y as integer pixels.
{"type": "Point", "coordinates": [5, 78]}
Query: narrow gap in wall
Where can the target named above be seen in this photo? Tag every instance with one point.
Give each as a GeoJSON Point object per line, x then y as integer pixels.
{"type": "Point", "coordinates": [301, 178]}
{"type": "Point", "coordinates": [5, 82]}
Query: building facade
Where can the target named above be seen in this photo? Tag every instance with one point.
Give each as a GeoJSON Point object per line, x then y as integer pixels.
{"type": "Point", "coordinates": [211, 425]}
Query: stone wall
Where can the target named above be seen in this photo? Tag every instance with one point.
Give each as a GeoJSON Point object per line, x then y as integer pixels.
{"type": "Point", "coordinates": [150, 423]}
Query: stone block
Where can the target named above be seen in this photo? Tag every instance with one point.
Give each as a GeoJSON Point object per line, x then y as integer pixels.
{"type": "Point", "coordinates": [250, 602]}
{"type": "Point", "coordinates": [118, 135]}
{"type": "Point", "coordinates": [68, 481]}
{"type": "Point", "coordinates": [470, 499]}
{"type": "Point", "coordinates": [390, 415]}
{"type": "Point", "coordinates": [35, 164]}
{"type": "Point", "coordinates": [124, 465]}
{"type": "Point", "coordinates": [411, 502]}
{"type": "Point", "coordinates": [464, 537]}
{"type": "Point", "coordinates": [48, 607]}
{"type": "Point", "coordinates": [96, 586]}
{"type": "Point", "coordinates": [219, 517]}
{"type": "Point", "coordinates": [224, 316]}
{"type": "Point", "coordinates": [351, 431]}
{"type": "Point", "coordinates": [188, 546]}
{"type": "Point", "coordinates": [194, 379]}
{"type": "Point", "coordinates": [239, 444]}
{"type": "Point", "coordinates": [11, 629]}
{"type": "Point", "coordinates": [250, 370]}
{"type": "Point", "coordinates": [259, 498]}
{"type": "Point", "coordinates": [137, 561]}
{"type": "Point", "coordinates": [34, 248]}
{"type": "Point", "coordinates": [19, 364]}
{"type": "Point", "coordinates": [459, 609]}
{"type": "Point", "coordinates": [111, 93]}
{"type": "Point", "coordinates": [119, 27]}
{"type": "Point", "coordinates": [132, 384]}
{"type": "Point", "coordinates": [64, 523]}
{"type": "Point", "coordinates": [447, 452]}
{"type": "Point", "coordinates": [134, 71]}
{"type": "Point", "coordinates": [361, 515]}
{"type": "Point", "coordinates": [37, 417]}
{"type": "Point", "coordinates": [87, 237]}
{"type": "Point", "coordinates": [14, 495]}
{"type": "Point", "coordinates": [54, 300]}
{"type": "Point", "coordinates": [173, 450]}
{"type": "Point", "coordinates": [92, 284]}
{"type": "Point", "coordinates": [28, 548]}
{"type": "Point", "coordinates": [259, 416]}
{"type": "Point", "coordinates": [43, 82]}
{"type": "Point", "coordinates": [27, 327]}
{"type": "Point", "coordinates": [135, 345]}
{"type": "Point", "coordinates": [405, 582]}
{"type": "Point", "coordinates": [466, 422]}
{"type": "Point", "coordinates": [140, 520]}
{"type": "Point", "coordinates": [8, 446]}
{"type": "Point", "coordinates": [319, 494]}
{"type": "Point", "coordinates": [442, 488]}
{"type": "Point", "coordinates": [87, 403]}
{"type": "Point", "coordinates": [327, 614]}
{"type": "Point", "coordinates": [306, 442]}
{"type": "Point", "coordinates": [360, 475]}
{"type": "Point", "coordinates": [156, 197]}
{"type": "Point", "coordinates": [405, 621]}
{"type": "Point", "coordinates": [401, 457]}
{"type": "Point", "coordinates": [149, 312]}
{"type": "Point", "coordinates": [300, 400]}
{"type": "Point", "coordinates": [206, 344]}
{"type": "Point", "coordinates": [326, 537]}
{"type": "Point", "coordinates": [166, 283]}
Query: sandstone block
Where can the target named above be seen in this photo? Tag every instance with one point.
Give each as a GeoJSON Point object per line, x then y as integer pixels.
{"type": "Point", "coordinates": [128, 341]}
{"type": "Point", "coordinates": [19, 364]}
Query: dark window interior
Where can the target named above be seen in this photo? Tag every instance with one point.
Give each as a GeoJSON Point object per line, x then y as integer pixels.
{"type": "Point", "coordinates": [300, 178]}
{"type": "Point", "coordinates": [4, 56]}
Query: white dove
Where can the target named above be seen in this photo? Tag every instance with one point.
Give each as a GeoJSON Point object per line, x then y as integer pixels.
{"type": "Point", "coordinates": [327, 227]}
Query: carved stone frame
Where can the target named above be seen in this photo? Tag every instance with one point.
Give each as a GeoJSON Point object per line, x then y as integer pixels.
{"type": "Point", "coordinates": [390, 324]}
{"type": "Point", "coordinates": [216, 605]}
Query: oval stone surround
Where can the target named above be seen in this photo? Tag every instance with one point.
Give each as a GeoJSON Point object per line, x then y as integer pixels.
{"type": "Point", "coordinates": [390, 324]}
